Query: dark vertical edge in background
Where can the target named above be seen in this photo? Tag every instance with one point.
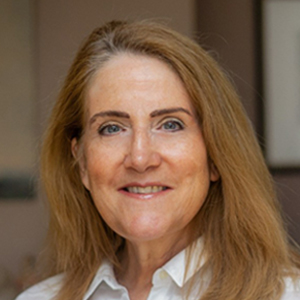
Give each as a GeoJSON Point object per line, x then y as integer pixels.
{"type": "Point", "coordinates": [259, 72]}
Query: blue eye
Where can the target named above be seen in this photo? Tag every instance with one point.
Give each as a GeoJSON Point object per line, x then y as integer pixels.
{"type": "Point", "coordinates": [109, 129]}
{"type": "Point", "coordinates": [172, 125]}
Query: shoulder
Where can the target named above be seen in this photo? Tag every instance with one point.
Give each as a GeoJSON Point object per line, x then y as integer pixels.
{"type": "Point", "coordinates": [44, 290]}
{"type": "Point", "coordinates": [292, 289]}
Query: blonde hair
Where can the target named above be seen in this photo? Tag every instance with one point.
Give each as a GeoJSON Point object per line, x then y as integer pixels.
{"type": "Point", "coordinates": [245, 244]}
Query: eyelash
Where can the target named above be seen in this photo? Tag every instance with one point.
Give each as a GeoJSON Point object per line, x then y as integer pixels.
{"type": "Point", "coordinates": [103, 128]}
{"type": "Point", "coordinates": [179, 125]}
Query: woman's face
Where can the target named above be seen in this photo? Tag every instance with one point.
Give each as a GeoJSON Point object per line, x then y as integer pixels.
{"type": "Point", "coordinates": [145, 162]}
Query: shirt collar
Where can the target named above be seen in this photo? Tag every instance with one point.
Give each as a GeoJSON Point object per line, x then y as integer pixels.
{"type": "Point", "coordinates": [174, 267]}
{"type": "Point", "coordinates": [104, 274]}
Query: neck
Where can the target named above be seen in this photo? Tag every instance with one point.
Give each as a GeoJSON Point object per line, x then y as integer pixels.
{"type": "Point", "coordinates": [140, 259]}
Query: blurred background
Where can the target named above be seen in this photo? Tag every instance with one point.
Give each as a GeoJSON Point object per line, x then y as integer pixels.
{"type": "Point", "coordinates": [39, 39]}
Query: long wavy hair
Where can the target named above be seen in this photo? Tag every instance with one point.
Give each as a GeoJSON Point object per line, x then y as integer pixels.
{"type": "Point", "coordinates": [245, 244]}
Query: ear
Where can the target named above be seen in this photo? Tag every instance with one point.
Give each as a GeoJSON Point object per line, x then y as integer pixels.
{"type": "Point", "coordinates": [79, 157]}
{"type": "Point", "coordinates": [214, 173]}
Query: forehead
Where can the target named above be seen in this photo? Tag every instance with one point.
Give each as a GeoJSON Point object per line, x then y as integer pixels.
{"type": "Point", "coordinates": [136, 81]}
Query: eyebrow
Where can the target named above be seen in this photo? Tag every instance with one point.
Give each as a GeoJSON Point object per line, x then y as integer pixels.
{"type": "Point", "coordinates": [109, 113]}
{"type": "Point", "coordinates": [121, 114]}
{"type": "Point", "coordinates": [165, 111]}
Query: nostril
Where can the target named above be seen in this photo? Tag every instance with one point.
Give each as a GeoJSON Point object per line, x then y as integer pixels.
{"type": "Point", "coordinates": [142, 160]}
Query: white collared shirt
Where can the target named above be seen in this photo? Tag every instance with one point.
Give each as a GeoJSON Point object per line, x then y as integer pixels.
{"type": "Point", "coordinates": [168, 282]}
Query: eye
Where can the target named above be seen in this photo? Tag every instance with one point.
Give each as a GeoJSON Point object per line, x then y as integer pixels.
{"type": "Point", "coordinates": [172, 125]}
{"type": "Point", "coordinates": [109, 129]}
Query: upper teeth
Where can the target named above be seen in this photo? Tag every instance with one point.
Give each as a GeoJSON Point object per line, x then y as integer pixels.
{"type": "Point", "coordinates": [145, 190]}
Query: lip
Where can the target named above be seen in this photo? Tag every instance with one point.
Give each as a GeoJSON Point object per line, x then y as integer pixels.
{"type": "Point", "coordinates": [147, 195]}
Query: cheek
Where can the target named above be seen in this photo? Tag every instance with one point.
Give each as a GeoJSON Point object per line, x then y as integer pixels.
{"type": "Point", "coordinates": [103, 163]}
{"type": "Point", "coordinates": [195, 173]}
{"type": "Point", "coordinates": [95, 167]}
{"type": "Point", "coordinates": [192, 158]}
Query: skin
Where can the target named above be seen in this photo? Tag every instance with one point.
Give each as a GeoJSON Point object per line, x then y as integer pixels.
{"type": "Point", "coordinates": [142, 131]}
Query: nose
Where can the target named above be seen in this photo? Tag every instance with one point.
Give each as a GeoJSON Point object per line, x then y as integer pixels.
{"type": "Point", "coordinates": [142, 153]}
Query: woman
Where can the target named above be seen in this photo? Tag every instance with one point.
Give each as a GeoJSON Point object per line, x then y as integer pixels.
{"type": "Point", "coordinates": [156, 183]}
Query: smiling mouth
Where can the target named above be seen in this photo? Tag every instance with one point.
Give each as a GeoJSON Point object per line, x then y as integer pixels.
{"type": "Point", "coordinates": [145, 190]}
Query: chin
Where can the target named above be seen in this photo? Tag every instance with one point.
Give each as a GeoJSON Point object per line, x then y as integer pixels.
{"type": "Point", "coordinates": [148, 231]}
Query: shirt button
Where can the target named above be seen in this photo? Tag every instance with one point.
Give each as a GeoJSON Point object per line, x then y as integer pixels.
{"type": "Point", "coordinates": [163, 275]}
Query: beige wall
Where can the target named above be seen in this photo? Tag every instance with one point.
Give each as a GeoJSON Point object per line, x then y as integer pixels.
{"type": "Point", "coordinates": [60, 26]}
